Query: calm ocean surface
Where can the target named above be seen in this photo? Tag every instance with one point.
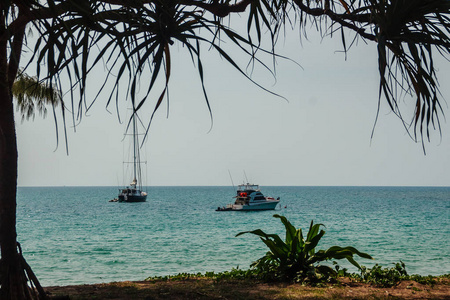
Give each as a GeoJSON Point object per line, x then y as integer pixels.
{"type": "Point", "coordinates": [73, 235]}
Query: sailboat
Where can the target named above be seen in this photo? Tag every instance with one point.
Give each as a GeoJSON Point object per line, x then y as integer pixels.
{"type": "Point", "coordinates": [134, 193]}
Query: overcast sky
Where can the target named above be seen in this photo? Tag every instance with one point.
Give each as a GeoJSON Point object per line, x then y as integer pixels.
{"type": "Point", "coordinates": [320, 136]}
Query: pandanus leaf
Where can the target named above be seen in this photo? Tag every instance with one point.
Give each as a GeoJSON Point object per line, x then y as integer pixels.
{"type": "Point", "coordinates": [344, 4]}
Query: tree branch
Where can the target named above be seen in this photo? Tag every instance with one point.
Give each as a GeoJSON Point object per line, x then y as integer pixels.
{"type": "Point", "coordinates": [16, 51]}
{"type": "Point", "coordinates": [31, 15]}
{"type": "Point", "coordinates": [339, 18]}
{"type": "Point", "coordinates": [219, 9]}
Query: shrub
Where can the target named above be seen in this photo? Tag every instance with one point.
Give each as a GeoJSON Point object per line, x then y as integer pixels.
{"type": "Point", "coordinates": [388, 277]}
{"type": "Point", "coordinates": [384, 277]}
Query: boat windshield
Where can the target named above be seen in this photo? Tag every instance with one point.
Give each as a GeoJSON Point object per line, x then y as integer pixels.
{"type": "Point", "coordinates": [248, 186]}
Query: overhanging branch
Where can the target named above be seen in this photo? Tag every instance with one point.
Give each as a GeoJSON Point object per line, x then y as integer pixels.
{"type": "Point", "coordinates": [340, 18]}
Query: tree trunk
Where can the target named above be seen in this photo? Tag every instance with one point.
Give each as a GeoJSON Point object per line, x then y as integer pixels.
{"type": "Point", "coordinates": [14, 271]}
{"type": "Point", "coordinates": [8, 184]}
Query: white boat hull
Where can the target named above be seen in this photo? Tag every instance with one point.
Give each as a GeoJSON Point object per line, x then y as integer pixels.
{"type": "Point", "coordinates": [269, 205]}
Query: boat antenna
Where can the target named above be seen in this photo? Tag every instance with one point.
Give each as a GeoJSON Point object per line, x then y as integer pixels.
{"type": "Point", "coordinates": [231, 178]}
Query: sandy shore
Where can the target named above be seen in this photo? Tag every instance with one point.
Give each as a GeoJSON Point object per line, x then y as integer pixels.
{"type": "Point", "coordinates": [208, 289]}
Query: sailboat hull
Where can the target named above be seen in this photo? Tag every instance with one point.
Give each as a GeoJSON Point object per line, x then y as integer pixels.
{"type": "Point", "coordinates": [133, 196]}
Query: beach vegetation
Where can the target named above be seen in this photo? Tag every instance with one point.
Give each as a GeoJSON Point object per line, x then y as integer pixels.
{"type": "Point", "coordinates": [208, 288]}
{"type": "Point", "coordinates": [384, 277]}
{"type": "Point", "coordinates": [296, 259]}
{"type": "Point", "coordinates": [131, 43]}
{"type": "Point", "coordinates": [391, 276]}
{"type": "Point", "coordinates": [378, 276]}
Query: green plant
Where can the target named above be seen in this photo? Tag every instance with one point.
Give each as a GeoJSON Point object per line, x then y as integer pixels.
{"type": "Point", "coordinates": [387, 277]}
{"type": "Point", "coordinates": [428, 280]}
{"type": "Point", "coordinates": [296, 258]}
{"type": "Point", "coordinates": [384, 277]}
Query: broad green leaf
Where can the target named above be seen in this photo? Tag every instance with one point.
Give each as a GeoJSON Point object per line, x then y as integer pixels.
{"type": "Point", "coordinates": [311, 244]}
{"type": "Point", "coordinates": [313, 231]}
{"type": "Point", "coordinates": [279, 253]}
{"type": "Point", "coordinates": [276, 239]}
{"type": "Point", "coordinates": [290, 230]}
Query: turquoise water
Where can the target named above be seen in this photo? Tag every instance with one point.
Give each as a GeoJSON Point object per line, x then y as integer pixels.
{"type": "Point", "coordinates": [73, 235]}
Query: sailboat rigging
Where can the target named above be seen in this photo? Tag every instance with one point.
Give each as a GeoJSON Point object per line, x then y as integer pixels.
{"type": "Point", "coordinates": [134, 192]}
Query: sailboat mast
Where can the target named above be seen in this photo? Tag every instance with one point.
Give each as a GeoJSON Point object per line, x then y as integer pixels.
{"type": "Point", "coordinates": [133, 192]}
{"type": "Point", "coordinates": [134, 147]}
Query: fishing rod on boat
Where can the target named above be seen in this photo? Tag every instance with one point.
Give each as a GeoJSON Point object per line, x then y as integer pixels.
{"type": "Point", "coordinates": [231, 179]}
{"type": "Point", "coordinates": [245, 175]}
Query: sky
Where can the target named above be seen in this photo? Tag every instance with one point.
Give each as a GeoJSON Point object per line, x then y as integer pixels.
{"type": "Point", "coordinates": [319, 134]}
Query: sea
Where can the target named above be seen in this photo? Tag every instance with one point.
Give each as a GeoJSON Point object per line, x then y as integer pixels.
{"type": "Point", "coordinates": [74, 235]}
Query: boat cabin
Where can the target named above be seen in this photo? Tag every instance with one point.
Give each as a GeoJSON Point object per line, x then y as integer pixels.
{"type": "Point", "coordinates": [129, 191]}
{"type": "Point", "coordinates": [247, 193]}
